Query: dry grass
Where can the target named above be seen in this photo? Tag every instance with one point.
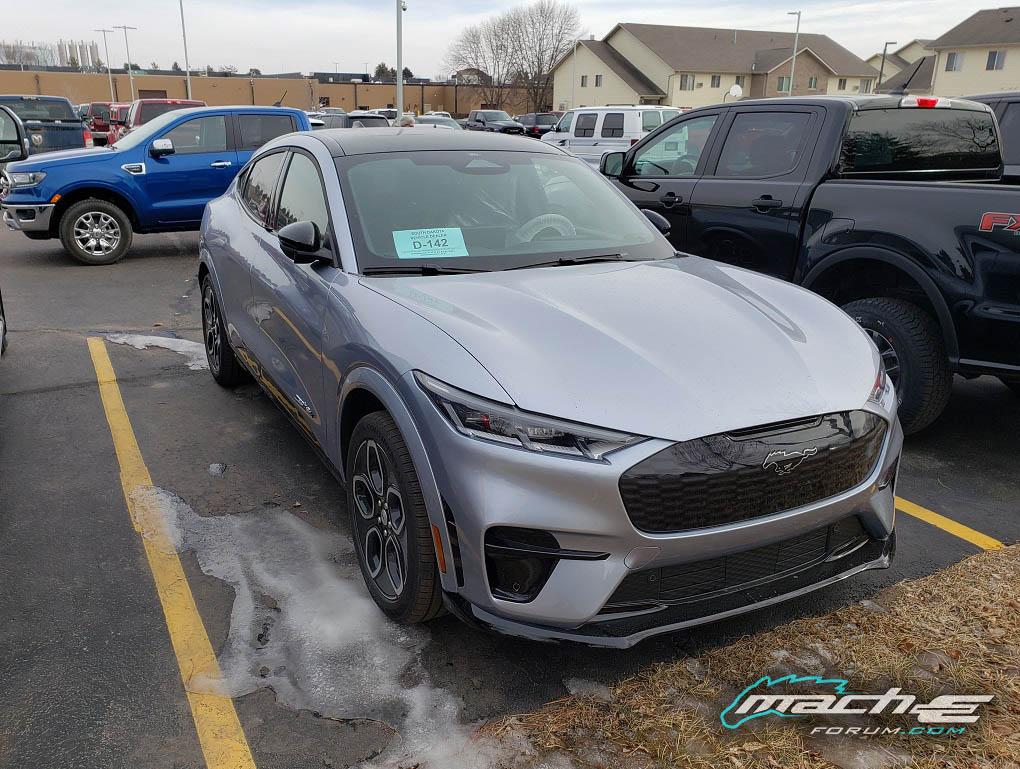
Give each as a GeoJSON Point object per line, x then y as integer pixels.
{"type": "Point", "coordinates": [952, 632]}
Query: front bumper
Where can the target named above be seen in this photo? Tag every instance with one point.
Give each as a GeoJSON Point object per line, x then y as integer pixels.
{"type": "Point", "coordinates": [485, 485]}
{"type": "Point", "coordinates": [27, 218]}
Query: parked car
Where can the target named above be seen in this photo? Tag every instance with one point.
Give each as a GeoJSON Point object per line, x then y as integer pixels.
{"type": "Point", "coordinates": [118, 118]}
{"type": "Point", "coordinates": [355, 119]}
{"type": "Point", "coordinates": [97, 118]}
{"type": "Point", "coordinates": [156, 179]}
{"type": "Point", "coordinates": [591, 132]}
{"type": "Point", "coordinates": [1006, 106]}
{"type": "Point", "coordinates": [13, 147]}
{"type": "Point", "coordinates": [865, 200]}
{"type": "Point", "coordinates": [144, 110]}
{"type": "Point", "coordinates": [494, 120]}
{"type": "Point", "coordinates": [438, 120]}
{"type": "Point", "coordinates": [544, 417]}
{"type": "Point", "coordinates": [51, 122]}
{"type": "Point", "coordinates": [538, 123]}
{"type": "Point", "coordinates": [437, 113]}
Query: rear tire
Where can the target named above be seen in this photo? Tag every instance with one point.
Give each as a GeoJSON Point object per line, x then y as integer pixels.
{"type": "Point", "coordinates": [911, 339]}
{"type": "Point", "coordinates": [95, 231]}
{"type": "Point", "coordinates": [224, 366]}
{"type": "Point", "coordinates": [389, 523]}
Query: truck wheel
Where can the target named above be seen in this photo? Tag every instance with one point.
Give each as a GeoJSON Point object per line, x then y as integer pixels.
{"type": "Point", "coordinates": [914, 355]}
{"type": "Point", "coordinates": [95, 231]}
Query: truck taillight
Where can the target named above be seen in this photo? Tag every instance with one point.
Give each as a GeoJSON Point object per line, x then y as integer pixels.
{"type": "Point", "coordinates": [88, 138]}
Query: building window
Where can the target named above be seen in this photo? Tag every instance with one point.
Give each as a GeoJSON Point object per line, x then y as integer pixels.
{"type": "Point", "coordinates": [739, 80]}
{"type": "Point", "coordinates": [842, 84]}
{"type": "Point", "coordinates": [783, 84]}
{"type": "Point", "coordinates": [687, 82]}
{"type": "Point", "coordinates": [812, 83]}
{"type": "Point", "coordinates": [865, 86]}
{"type": "Point", "coordinates": [584, 81]}
{"type": "Point", "coordinates": [598, 81]}
{"type": "Point", "coordinates": [716, 81]}
{"type": "Point", "coordinates": [995, 59]}
{"type": "Point", "coordinates": [954, 61]}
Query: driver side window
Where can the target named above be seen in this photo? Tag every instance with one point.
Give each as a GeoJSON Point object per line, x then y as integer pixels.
{"type": "Point", "coordinates": [676, 152]}
{"type": "Point", "coordinates": [204, 134]}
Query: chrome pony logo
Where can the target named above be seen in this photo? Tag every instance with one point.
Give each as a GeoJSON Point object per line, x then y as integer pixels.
{"type": "Point", "coordinates": [785, 462]}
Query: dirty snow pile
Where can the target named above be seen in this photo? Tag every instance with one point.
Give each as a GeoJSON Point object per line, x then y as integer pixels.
{"type": "Point", "coordinates": [193, 351]}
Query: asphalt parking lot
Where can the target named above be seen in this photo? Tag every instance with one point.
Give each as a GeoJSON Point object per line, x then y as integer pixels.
{"type": "Point", "coordinates": [88, 674]}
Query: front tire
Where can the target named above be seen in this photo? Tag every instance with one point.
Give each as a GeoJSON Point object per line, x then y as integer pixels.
{"type": "Point", "coordinates": [95, 231]}
{"type": "Point", "coordinates": [913, 353]}
{"type": "Point", "coordinates": [389, 524]}
{"type": "Point", "coordinates": [224, 366]}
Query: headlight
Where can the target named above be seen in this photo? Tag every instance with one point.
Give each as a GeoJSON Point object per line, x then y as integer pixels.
{"type": "Point", "coordinates": [491, 421]}
{"type": "Point", "coordinates": [25, 178]}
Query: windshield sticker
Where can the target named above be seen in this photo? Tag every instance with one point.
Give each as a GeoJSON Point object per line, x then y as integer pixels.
{"type": "Point", "coordinates": [420, 244]}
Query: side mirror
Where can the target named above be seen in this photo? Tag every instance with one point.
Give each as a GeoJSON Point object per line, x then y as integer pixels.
{"type": "Point", "coordinates": [301, 241]}
{"type": "Point", "coordinates": [13, 140]}
{"type": "Point", "coordinates": [161, 148]}
{"type": "Point", "coordinates": [660, 222]}
{"type": "Point", "coordinates": [611, 164]}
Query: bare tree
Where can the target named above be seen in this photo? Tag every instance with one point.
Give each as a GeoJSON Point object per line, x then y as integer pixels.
{"type": "Point", "coordinates": [542, 33]}
{"type": "Point", "coordinates": [488, 48]}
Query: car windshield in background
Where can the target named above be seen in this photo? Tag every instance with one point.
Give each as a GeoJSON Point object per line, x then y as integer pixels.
{"type": "Point", "coordinates": [143, 133]}
{"type": "Point", "coordinates": [905, 140]}
{"type": "Point", "coordinates": [547, 119]}
{"type": "Point", "coordinates": [101, 111]}
{"type": "Point", "coordinates": [493, 114]}
{"type": "Point", "coordinates": [45, 110]}
{"type": "Point", "coordinates": [437, 120]}
{"type": "Point", "coordinates": [488, 211]}
{"type": "Point", "coordinates": [147, 112]}
{"type": "Point", "coordinates": [369, 121]}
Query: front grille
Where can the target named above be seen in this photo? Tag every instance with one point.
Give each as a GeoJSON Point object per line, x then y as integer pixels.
{"type": "Point", "coordinates": [718, 576]}
{"type": "Point", "coordinates": [737, 476]}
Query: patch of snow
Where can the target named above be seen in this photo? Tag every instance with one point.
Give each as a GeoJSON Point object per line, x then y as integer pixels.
{"type": "Point", "coordinates": [217, 468]}
{"type": "Point", "coordinates": [193, 351]}
{"type": "Point", "coordinates": [304, 625]}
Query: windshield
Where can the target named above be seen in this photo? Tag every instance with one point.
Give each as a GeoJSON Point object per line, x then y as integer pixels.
{"type": "Point", "coordinates": [144, 132]}
{"type": "Point", "coordinates": [149, 110]}
{"type": "Point", "coordinates": [493, 114]}
{"type": "Point", "coordinates": [369, 121]}
{"type": "Point", "coordinates": [547, 119]}
{"type": "Point", "coordinates": [42, 109]}
{"type": "Point", "coordinates": [487, 210]}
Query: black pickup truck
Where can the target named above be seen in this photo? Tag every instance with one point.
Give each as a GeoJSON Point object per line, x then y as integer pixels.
{"type": "Point", "coordinates": [890, 206]}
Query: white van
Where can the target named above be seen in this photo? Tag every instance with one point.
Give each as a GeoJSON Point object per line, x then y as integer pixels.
{"type": "Point", "coordinates": [590, 132]}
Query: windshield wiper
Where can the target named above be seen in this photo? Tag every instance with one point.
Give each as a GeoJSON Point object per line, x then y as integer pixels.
{"type": "Point", "coordinates": [419, 269]}
{"type": "Point", "coordinates": [569, 260]}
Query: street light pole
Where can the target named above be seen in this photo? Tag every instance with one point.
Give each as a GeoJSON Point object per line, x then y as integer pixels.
{"type": "Point", "coordinates": [187, 66]}
{"type": "Point", "coordinates": [106, 47]}
{"type": "Point", "coordinates": [573, 76]}
{"type": "Point", "coordinates": [127, 48]}
{"type": "Point", "coordinates": [796, 42]}
{"type": "Point", "coordinates": [881, 69]}
{"type": "Point", "coordinates": [401, 7]}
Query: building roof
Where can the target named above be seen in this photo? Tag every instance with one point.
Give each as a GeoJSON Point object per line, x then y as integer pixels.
{"type": "Point", "coordinates": [626, 71]}
{"type": "Point", "coordinates": [989, 27]}
{"type": "Point", "coordinates": [916, 77]}
{"type": "Point", "coordinates": [771, 58]}
{"type": "Point", "coordinates": [706, 49]}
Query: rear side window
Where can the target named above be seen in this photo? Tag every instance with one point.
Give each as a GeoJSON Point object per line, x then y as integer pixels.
{"type": "Point", "coordinates": [650, 120]}
{"type": "Point", "coordinates": [256, 130]}
{"type": "Point", "coordinates": [1010, 128]}
{"type": "Point", "coordinates": [259, 184]}
{"type": "Point", "coordinates": [585, 125]}
{"type": "Point", "coordinates": [612, 125]}
{"type": "Point", "coordinates": [763, 144]}
{"type": "Point", "coordinates": [42, 109]}
{"type": "Point", "coordinates": [904, 140]}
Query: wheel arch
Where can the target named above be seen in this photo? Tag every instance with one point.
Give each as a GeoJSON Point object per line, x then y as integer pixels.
{"type": "Point", "coordinates": [79, 194]}
{"type": "Point", "coordinates": [840, 279]}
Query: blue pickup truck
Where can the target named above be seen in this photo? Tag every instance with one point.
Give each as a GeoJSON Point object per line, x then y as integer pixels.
{"type": "Point", "coordinates": [158, 178]}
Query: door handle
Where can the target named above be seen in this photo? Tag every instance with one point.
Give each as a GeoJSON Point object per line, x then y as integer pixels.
{"type": "Point", "coordinates": [221, 164]}
{"type": "Point", "coordinates": [670, 199]}
{"type": "Point", "coordinates": [764, 203]}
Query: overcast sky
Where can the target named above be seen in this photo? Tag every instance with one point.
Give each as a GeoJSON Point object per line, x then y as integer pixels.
{"type": "Point", "coordinates": [284, 36]}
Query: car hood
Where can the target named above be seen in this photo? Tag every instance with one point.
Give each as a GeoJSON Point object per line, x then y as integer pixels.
{"type": "Point", "coordinates": [66, 157]}
{"type": "Point", "coordinates": [674, 349]}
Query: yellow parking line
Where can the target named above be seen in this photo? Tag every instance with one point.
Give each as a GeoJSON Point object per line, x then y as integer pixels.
{"type": "Point", "coordinates": [948, 524]}
{"type": "Point", "coordinates": [219, 730]}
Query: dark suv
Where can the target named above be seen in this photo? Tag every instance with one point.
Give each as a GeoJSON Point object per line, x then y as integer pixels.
{"type": "Point", "coordinates": [1006, 106]}
{"type": "Point", "coordinates": [539, 123]}
{"type": "Point", "coordinates": [492, 120]}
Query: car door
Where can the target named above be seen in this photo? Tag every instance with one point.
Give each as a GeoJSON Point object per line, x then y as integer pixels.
{"type": "Point", "coordinates": [200, 168]}
{"type": "Point", "coordinates": [746, 210]}
{"type": "Point", "coordinates": [560, 134]}
{"type": "Point", "coordinates": [256, 128]}
{"type": "Point", "coordinates": [582, 138]}
{"type": "Point", "coordinates": [290, 298]}
{"type": "Point", "coordinates": [661, 172]}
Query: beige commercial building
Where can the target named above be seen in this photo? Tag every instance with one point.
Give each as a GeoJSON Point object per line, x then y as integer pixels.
{"type": "Point", "coordinates": [694, 66]}
{"type": "Point", "coordinates": [979, 55]}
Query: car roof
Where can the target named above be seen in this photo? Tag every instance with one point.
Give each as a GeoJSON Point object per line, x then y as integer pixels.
{"type": "Point", "coordinates": [364, 141]}
{"type": "Point", "coordinates": [32, 97]}
{"type": "Point", "coordinates": [228, 108]}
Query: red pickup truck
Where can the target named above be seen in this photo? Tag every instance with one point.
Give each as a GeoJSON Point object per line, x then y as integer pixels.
{"type": "Point", "coordinates": [143, 110]}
